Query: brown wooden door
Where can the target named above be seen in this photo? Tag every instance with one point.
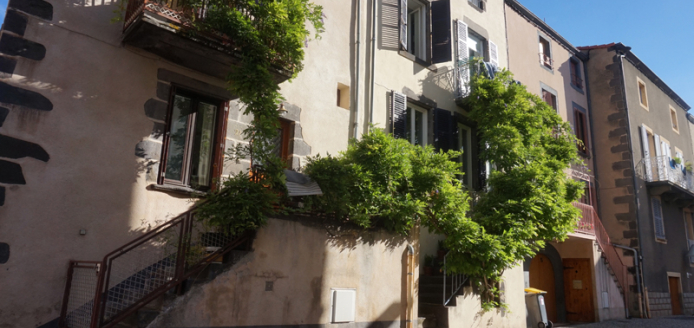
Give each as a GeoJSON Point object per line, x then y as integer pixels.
{"type": "Point", "coordinates": [542, 277]}
{"type": "Point", "coordinates": [578, 290]}
{"type": "Point", "coordinates": [675, 298]}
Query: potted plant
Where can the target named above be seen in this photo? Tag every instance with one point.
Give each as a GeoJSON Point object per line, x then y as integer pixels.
{"type": "Point", "coordinates": [688, 166]}
{"type": "Point", "coordinates": [428, 265]}
{"type": "Point", "coordinates": [441, 252]}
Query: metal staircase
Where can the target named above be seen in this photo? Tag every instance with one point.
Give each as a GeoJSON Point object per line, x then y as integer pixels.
{"type": "Point", "coordinates": [104, 293]}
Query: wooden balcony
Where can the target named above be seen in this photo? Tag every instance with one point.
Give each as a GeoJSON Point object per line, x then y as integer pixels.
{"type": "Point", "coordinates": [165, 28]}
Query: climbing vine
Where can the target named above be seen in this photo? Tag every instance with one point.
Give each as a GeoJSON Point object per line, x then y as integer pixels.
{"type": "Point", "coordinates": [387, 182]}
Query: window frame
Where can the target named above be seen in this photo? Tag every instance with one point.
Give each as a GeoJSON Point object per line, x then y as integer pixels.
{"type": "Point", "coordinates": [425, 31]}
{"type": "Point", "coordinates": [578, 110]}
{"type": "Point", "coordinates": [663, 238]}
{"type": "Point", "coordinates": [576, 74]}
{"type": "Point", "coordinates": [425, 122]}
{"type": "Point", "coordinates": [550, 90]}
{"type": "Point", "coordinates": [543, 62]}
{"type": "Point", "coordinates": [471, 34]}
{"type": "Point", "coordinates": [480, 5]}
{"type": "Point", "coordinates": [673, 120]}
{"type": "Point", "coordinates": [644, 95]}
{"type": "Point", "coordinates": [219, 136]}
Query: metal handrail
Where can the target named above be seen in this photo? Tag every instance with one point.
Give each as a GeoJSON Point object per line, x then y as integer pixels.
{"type": "Point", "coordinates": [165, 257]}
{"type": "Point", "coordinates": [614, 261]}
{"type": "Point", "coordinates": [457, 281]}
{"type": "Point", "coordinates": [586, 224]}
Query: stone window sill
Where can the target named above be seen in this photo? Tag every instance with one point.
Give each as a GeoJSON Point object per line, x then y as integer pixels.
{"type": "Point", "coordinates": [176, 190]}
{"type": "Point", "coordinates": [431, 67]}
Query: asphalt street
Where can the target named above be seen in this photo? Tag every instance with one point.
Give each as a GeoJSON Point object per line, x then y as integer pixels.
{"type": "Point", "coordinates": [675, 322]}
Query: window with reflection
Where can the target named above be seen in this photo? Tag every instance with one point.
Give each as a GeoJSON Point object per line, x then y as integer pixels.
{"type": "Point", "coordinates": [191, 136]}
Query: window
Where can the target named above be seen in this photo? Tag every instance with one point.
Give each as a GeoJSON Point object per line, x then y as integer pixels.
{"type": "Point", "coordinates": [550, 98]}
{"type": "Point", "coordinates": [475, 45]}
{"type": "Point", "coordinates": [465, 144]}
{"type": "Point", "coordinates": [576, 80]}
{"type": "Point", "coordinates": [581, 129]}
{"type": "Point", "coordinates": [416, 28]}
{"type": "Point", "coordinates": [588, 194]}
{"type": "Point", "coordinates": [416, 128]}
{"type": "Point", "coordinates": [673, 119]}
{"type": "Point", "coordinates": [545, 53]}
{"type": "Point", "coordinates": [343, 96]}
{"type": "Point", "coordinates": [689, 228]}
{"type": "Point", "coordinates": [658, 218]}
{"type": "Point", "coordinates": [193, 131]}
{"type": "Point", "coordinates": [479, 4]}
{"type": "Point", "coordinates": [643, 95]}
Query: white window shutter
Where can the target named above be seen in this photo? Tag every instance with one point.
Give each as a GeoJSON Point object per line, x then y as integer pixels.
{"type": "Point", "coordinates": [646, 153]}
{"type": "Point", "coordinates": [403, 24]}
{"type": "Point", "coordinates": [658, 218]}
{"type": "Point", "coordinates": [399, 114]}
{"type": "Point", "coordinates": [493, 53]}
{"type": "Point", "coordinates": [462, 54]}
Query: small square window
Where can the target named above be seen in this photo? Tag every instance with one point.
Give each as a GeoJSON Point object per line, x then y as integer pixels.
{"type": "Point", "coordinates": [643, 94]}
{"type": "Point", "coordinates": [673, 119]}
{"type": "Point", "coordinates": [479, 4]}
{"type": "Point", "coordinates": [193, 131]}
{"type": "Point", "coordinates": [545, 53]}
{"type": "Point", "coordinates": [343, 96]}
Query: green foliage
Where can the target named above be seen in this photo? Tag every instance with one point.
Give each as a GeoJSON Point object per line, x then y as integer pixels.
{"type": "Point", "coordinates": [528, 198]}
{"type": "Point", "coordinates": [385, 182]}
{"type": "Point", "coordinates": [268, 37]}
{"type": "Point", "coordinates": [240, 205]}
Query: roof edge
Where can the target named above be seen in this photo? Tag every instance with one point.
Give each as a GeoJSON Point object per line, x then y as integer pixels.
{"type": "Point", "coordinates": [650, 74]}
{"type": "Point", "coordinates": [518, 7]}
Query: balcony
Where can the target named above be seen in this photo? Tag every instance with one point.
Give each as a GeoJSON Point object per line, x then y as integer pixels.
{"type": "Point", "coordinates": [546, 60]}
{"type": "Point", "coordinates": [458, 79]}
{"type": "Point", "coordinates": [586, 225]}
{"type": "Point", "coordinates": [667, 179]}
{"type": "Point", "coordinates": [165, 28]}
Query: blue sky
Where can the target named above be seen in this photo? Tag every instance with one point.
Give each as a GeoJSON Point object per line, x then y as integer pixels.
{"type": "Point", "coordinates": [3, 7]}
{"type": "Point", "coordinates": [660, 33]}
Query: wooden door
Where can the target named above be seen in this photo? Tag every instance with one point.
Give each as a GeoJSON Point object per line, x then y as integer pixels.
{"type": "Point", "coordinates": [542, 277]}
{"type": "Point", "coordinates": [578, 290]}
{"type": "Point", "coordinates": [675, 298]}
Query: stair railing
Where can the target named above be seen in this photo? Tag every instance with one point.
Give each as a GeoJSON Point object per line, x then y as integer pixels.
{"type": "Point", "coordinates": [101, 294]}
{"type": "Point", "coordinates": [614, 261]}
{"type": "Point", "coordinates": [457, 281]}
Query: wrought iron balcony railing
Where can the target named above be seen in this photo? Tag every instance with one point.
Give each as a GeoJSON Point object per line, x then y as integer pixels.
{"type": "Point", "coordinates": [664, 168]}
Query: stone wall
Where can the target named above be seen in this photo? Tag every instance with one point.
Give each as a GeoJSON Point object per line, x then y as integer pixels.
{"type": "Point", "coordinates": [659, 304]}
{"type": "Point", "coordinates": [688, 303]}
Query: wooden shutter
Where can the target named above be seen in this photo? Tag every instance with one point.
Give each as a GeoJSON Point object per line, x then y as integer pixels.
{"type": "Point", "coordinates": [444, 130]}
{"type": "Point", "coordinates": [493, 53]}
{"type": "Point", "coordinates": [441, 50]}
{"type": "Point", "coordinates": [461, 59]}
{"type": "Point", "coordinates": [399, 115]}
{"type": "Point", "coordinates": [646, 153]}
{"type": "Point", "coordinates": [658, 218]}
{"type": "Point", "coordinates": [403, 24]}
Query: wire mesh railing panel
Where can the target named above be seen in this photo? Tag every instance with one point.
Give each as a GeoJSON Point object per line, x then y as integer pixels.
{"type": "Point", "coordinates": [586, 223]}
{"type": "Point", "coordinates": [141, 269]}
{"type": "Point", "coordinates": [83, 280]}
{"type": "Point", "coordinates": [205, 243]}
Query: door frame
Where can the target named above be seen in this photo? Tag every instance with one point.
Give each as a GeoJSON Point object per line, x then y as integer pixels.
{"type": "Point", "coordinates": [679, 282]}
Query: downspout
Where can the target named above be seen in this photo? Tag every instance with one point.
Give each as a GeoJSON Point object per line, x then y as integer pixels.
{"type": "Point", "coordinates": [409, 319]}
{"type": "Point", "coordinates": [638, 281]}
{"type": "Point", "coordinates": [637, 270]}
{"type": "Point", "coordinates": [358, 67]}
{"type": "Point", "coordinates": [373, 62]}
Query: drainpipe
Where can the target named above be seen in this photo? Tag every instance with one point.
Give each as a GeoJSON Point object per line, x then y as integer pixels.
{"type": "Point", "coordinates": [358, 64]}
{"type": "Point", "coordinates": [373, 61]}
{"type": "Point", "coordinates": [633, 166]}
{"type": "Point", "coordinates": [637, 265]}
{"type": "Point", "coordinates": [409, 319]}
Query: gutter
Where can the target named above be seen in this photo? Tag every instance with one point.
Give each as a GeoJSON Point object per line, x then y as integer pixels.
{"type": "Point", "coordinates": [358, 68]}
{"type": "Point", "coordinates": [373, 62]}
{"type": "Point", "coordinates": [633, 167]}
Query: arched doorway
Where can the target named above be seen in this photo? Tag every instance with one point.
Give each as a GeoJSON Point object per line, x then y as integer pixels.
{"type": "Point", "coordinates": [542, 277]}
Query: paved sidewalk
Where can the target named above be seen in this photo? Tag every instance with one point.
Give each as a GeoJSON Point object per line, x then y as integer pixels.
{"type": "Point", "coordinates": [674, 322]}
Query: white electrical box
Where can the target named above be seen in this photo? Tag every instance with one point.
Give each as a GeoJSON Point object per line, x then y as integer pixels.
{"type": "Point", "coordinates": [605, 300]}
{"type": "Point", "coordinates": [344, 305]}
